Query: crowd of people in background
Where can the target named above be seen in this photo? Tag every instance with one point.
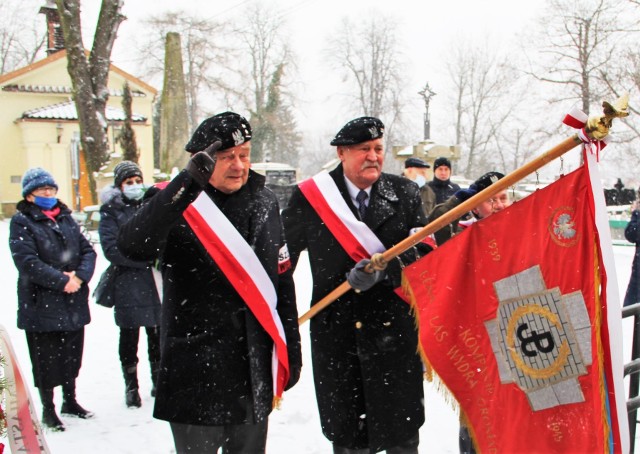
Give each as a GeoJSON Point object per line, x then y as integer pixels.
{"type": "Point", "coordinates": [221, 352]}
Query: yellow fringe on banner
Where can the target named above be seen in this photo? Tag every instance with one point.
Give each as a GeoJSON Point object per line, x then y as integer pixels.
{"type": "Point", "coordinates": [277, 401]}
{"type": "Point", "coordinates": [429, 374]}
{"type": "Point", "coordinates": [597, 288]}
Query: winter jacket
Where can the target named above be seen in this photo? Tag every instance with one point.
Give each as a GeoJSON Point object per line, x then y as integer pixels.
{"type": "Point", "coordinates": [136, 299]}
{"type": "Point", "coordinates": [428, 198]}
{"type": "Point", "coordinates": [366, 367]}
{"type": "Point", "coordinates": [42, 250]}
{"type": "Point", "coordinates": [632, 234]}
{"type": "Point", "coordinates": [443, 189]}
{"type": "Point", "coordinates": [216, 357]}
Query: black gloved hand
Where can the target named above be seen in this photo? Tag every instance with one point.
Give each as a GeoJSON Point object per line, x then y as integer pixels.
{"type": "Point", "coordinates": [360, 279]}
{"type": "Point", "coordinates": [480, 184]}
{"type": "Point", "coordinates": [201, 164]}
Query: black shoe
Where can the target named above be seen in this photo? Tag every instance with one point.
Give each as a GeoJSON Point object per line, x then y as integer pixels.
{"type": "Point", "coordinates": [73, 408]}
{"type": "Point", "coordinates": [132, 398]}
{"type": "Point", "coordinates": [51, 421]}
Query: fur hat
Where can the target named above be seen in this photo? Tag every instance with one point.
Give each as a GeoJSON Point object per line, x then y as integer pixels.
{"type": "Point", "coordinates": [124, 170]}
{"type": "Point", "coordinates": [441, 161]}
{"type": "Point", "coordinates": [228, 127]}
{"type": "Point", "coordinates": [359, 130]}
{"type": "Point", "coordinates": [416, 162]}
{"type": "Point", "coordinates": [36, 178]}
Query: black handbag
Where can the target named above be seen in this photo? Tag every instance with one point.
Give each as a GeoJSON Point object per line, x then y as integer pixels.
{"type": "Point", "coordinates": [105, 291]}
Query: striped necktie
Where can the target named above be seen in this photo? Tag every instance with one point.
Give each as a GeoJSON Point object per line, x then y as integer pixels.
{"type": "Point", "coordinates": [362, 207]}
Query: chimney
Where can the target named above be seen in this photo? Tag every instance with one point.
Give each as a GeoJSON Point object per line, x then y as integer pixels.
{"type": "Point", "coordinates": [55, 39]}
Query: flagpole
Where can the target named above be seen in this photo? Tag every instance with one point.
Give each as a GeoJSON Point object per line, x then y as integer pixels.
{"type": "Point", "coordinates": [596, 128]}
{"type": "Point", "coordinates": [450, 216]}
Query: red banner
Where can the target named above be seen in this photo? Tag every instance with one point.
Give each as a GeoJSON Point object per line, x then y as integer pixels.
{"type": "Point", "coordinates": [512, 317]}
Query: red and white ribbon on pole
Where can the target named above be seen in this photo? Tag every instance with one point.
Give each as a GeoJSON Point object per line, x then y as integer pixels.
{"type": "Point", "coordinates": [577, 119]}
{"type": "Point", "coordinates": [243, 269]}
{"type": "Point", "coordinates": [23, 430]}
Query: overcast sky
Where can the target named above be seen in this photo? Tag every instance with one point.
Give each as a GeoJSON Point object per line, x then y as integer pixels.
{"type": "Point", "coordinates": [428, 30]}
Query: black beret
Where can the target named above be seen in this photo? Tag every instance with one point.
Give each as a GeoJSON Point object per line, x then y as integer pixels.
{"type": "Point", "coordinates": [441, 161]}
{"type": "Point", "coordinates": [359, 130]}
{"type": "Point", "coordinates": [487, 180]}
{"type": "Point", "coordinates": [415, 162]}
{"type": "Point", "coordinates": [228, 127]}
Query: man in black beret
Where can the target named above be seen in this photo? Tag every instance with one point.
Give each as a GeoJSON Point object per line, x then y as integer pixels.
{"type": "Point", "coordinates": [229, 301]}
{"type": "Point", "coordinates": [367, 372]}
{"type": "Point", "coordinates": [415, 169]}
{"type": "Point", "coordinates": [485, 209]}
{"type": "Point", "coordinates": [441, 183]}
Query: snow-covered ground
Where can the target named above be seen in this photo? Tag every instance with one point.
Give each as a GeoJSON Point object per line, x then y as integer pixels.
{"type": "Point", "coordinates": [294, 428]}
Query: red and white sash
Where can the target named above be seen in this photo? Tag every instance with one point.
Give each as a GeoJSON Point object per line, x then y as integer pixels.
{"type": "Point", "coordinates": [355, 237]}
{"type": "Point", "coordinates": [23, 431]}
{"type": "Point", "coordinates": [241, 266]}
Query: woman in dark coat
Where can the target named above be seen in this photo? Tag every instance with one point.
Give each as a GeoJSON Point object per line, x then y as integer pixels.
{"type": "Point", "coordinates": [136, 299]}
{"type": "Point", "coordinates": [55, 262]}
{"type": "Point", "coordinates": [632, 234]}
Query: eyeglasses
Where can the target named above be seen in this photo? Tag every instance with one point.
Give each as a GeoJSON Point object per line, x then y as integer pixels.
{"type": "Point", "coordinates": [44, 190]}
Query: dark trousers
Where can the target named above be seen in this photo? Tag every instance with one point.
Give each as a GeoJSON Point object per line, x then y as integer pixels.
{"type": "Point", "coordinates": [128, 347]}
{"type": "Point", "coordinates": [233, 439]}
{"type": "Point", "coordinates": [465, 442]}
{"type": "Point", "coordinates": [56, 357]}
{"type": "Point", "coordinates": [408, 447]}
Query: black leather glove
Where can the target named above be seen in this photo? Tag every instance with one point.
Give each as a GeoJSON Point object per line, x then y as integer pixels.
{"type": "Point", "coordinates": [201, 164]}
{"type": "Point", "coordinates": [360, 279]}
{"type": "Point", "coordinates": [480, 184]}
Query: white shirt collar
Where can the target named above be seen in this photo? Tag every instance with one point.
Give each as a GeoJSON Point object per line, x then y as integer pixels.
{"type": "Point", "coordinates": [354, 190]}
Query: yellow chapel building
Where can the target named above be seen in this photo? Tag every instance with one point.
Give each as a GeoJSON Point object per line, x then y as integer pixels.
{"type": "Point", "coordinates": [39, 126]}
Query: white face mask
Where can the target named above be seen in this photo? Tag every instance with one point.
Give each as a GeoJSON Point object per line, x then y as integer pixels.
{"type": "Point", "coordinates": [134, 191]}
{"type": "Point", "coordinates": [420, 180]}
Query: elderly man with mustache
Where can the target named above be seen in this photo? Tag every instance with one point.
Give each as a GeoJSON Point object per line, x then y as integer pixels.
{"type": "Point", "coordinates": [367, 372]}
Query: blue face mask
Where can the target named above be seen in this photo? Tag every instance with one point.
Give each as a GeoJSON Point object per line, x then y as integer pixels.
{"type": "Point", "coordinates": [46, 203]}
{"type": "Point", "coordinates": [420, 180]}
{"type": "Point", "coordinates": [134, 191]}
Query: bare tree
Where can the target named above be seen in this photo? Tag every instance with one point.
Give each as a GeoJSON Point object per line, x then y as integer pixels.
{"type": "Point", "coordinates": [22, 35]}
{"type": "Point", "coordinates": [127, 137]}
{"type": "Point", "coordinates": [484, 103]}
{"type": "Point", "coordinates": [89, 76]}
{"type": "Point", "coordinates": [270, 61]}
{"type": "Point", "coordinates": [575, 40]}
{"type": "Point", "coordinates": [368, 53]}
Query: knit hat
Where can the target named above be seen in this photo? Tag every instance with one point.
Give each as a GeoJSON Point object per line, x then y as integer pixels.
{"type": "Point", "coordinates": [36, 178]}
{"type": "Point", "coordinates": [441, 161]}
{"type": "Point", "coordinates": [359, 130]}
{"type": "Point", "coordinates": [124, 170]}
{"type": "Point", "coordinates": [228, 127]}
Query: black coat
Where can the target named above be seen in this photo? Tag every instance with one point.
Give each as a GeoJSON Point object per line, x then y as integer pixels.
{"type": "Point", "coordinates": [443, 189]}
{"type": "Point", "coordinates": [216, 357]}
{"type": "Point", "coordinates": [43, 250]}
{"type": "Point", "coordinates": [136, 299]}
{"type": "Point", "coordinates": [632, 234]}
{"type": "Point", "coordinates": [364, 345]}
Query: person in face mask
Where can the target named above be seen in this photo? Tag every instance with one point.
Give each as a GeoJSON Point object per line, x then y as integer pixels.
{"type": "Point", "coordinates": [416, 170]}
{"type": "Point", "coordinates": [136, 300]}
{"type": "Point", "coordinates": [55, 262]}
